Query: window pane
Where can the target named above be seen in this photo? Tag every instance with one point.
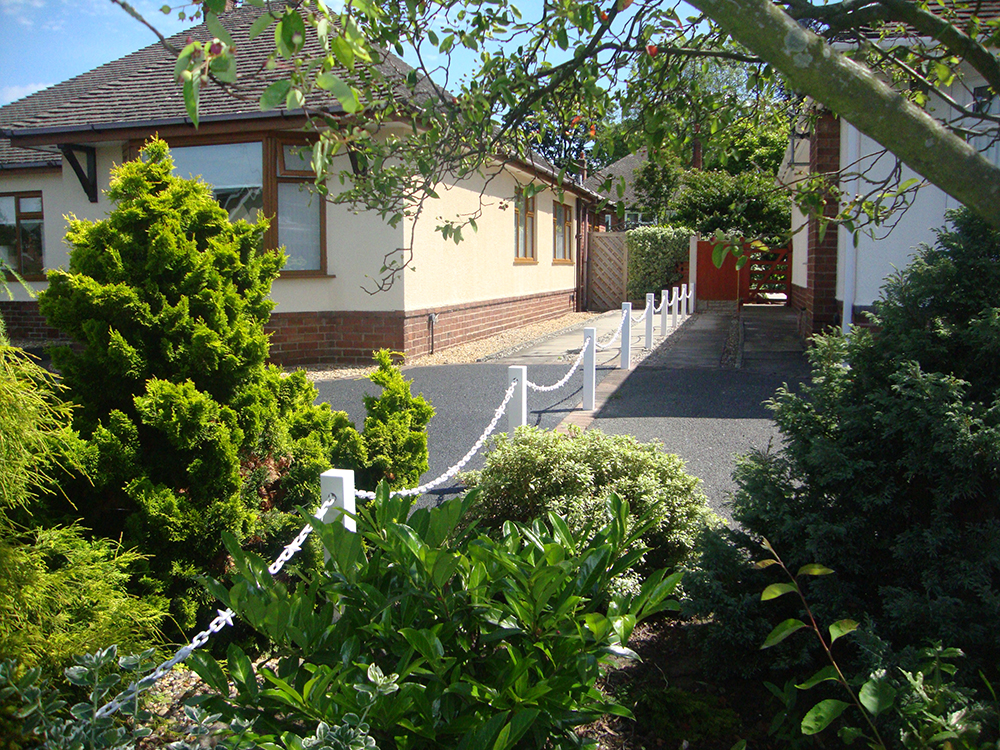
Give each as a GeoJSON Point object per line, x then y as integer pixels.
{"type": "Point", "coordinates": [31, 247]}
{"type": "Point", "coordinates": [227, 166]}
{"type": "Point", "coordinates": [297, 158]}
{"type": "Point", "coordinates": [8, 232]}
{"type": "Point", "coordinates": [241, 203]}
{"type": "Point", "coordinates": [529, 237]}
{"type": "Point", "coordinates": [32, 205]}
{"type": "Point", "coordinates": [298, 226]}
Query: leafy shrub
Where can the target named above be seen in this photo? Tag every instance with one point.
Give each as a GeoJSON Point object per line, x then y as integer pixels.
{"type": "Point", "coordinates": [538, 472]}
{"type": "Point", "coordinates": [654, 257]}
{"type": "Point", "coordinates": [494, 642]}
{"type": "Point", "coordinates": [746, 205]}
{"type": "Point", "coordinates": [890, 470]}
{"type": "Point", "coordinates": [189, 432]}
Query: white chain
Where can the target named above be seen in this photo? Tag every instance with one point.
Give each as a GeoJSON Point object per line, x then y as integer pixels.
{"type": "Point", "coordinates": [659, 308]}
{"type": "Point", "coordinates": [621, 324]}
{"type": "Point", "coordinates": [642, 317]}
{"type": "Point", "coordinates": [465, 459]}
{"type": "Point", "coordinates": [224, 618]}
{"type": "Point", "coordinates": [565, 378]}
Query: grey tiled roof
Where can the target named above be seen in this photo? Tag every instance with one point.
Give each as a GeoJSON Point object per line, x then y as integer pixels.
{"type": "Point", "coordinates": [624, 167]}
{"type": "Point", "coordinates": [139, 90]}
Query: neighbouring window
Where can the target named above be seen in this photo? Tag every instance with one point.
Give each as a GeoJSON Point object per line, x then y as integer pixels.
{"type": "Point", "coordinates": [236, 173]}
{"type": "Point", "coordinates": [524, 225]}
{"type": "Point", "coordinates": [562, 223]}
{"type": "Point", "coordinates": [985, 102]}
{"type": "Point", "coordinates": [21, 238]}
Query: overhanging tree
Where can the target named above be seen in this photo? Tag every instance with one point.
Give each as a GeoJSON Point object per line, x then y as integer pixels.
{"type": "Point", "coordinates": [577, 58]}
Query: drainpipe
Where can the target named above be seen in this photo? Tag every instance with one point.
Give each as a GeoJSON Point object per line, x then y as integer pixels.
{"type": "Point", "coordinates": [431, 320]}
{"type": "Point", "coordinates": [850, 241]}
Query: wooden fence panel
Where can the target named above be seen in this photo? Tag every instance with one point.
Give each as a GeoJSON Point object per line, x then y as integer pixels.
{"type": "Point", "coordinates": [608, 270]}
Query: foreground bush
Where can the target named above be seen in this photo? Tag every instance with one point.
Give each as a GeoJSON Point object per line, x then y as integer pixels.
{"type": "Point", "coordinates": [889, 474]}
{"type": "Point", "coordinates": [655, 255]}
{"type": "Point", "coordinates": [540, 472]}
{"type": "Point", "coordinates": [490, 642]}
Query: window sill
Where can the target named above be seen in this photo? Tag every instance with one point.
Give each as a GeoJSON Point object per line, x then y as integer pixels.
{"type": "Point", "coordinates": [306, 275]}
{"type": "Point", "coordinates": [525, 262]}
{"type": "Point", "coordinates": [32, 277]}
{"type": "Point", "coordinates": [562, 262]}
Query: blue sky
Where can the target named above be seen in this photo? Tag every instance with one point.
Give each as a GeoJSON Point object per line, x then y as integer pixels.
{"type": "Point", "coordinates": [43, 42]}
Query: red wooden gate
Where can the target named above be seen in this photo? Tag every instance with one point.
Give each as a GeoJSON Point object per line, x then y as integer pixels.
{"type": "Point", "coordinates": [766, 277]}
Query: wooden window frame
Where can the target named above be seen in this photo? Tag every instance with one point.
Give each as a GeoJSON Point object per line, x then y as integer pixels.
{"type": "Point", "coordinates": [274, 157]}
{"type": "Point", "coordinates": [273, 172]}
{"type": "Point", "coordinates": [526, 205]}
{"type": "Point", "coordinates": [566, 259]}
{"type": "Point", "coordinates": [28, 216]}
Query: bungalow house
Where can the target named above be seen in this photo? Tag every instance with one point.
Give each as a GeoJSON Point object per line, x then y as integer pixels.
{"type": "Point", "coordinates": [834, 281]}
{"type": "Point", "coordinates": [57, 148]}
{"type": "Point", "coordinates": [623, 174]}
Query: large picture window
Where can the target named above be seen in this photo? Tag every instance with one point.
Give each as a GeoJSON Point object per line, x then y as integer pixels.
{"type": "Point", "coordinates": [524, 226]}
{"type": "Point", "coordinates": [21, 238]}
{"type": "Point", "coordinates": [247, 178]}
{"type": "Point", "coordinates": [562, 230]}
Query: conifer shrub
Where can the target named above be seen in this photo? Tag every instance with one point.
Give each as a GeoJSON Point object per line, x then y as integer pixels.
{"type": "Point", "coordinates": [538, 472]}
{"type": "Point", "coordinates": [889, 473]}
{"type": "Point", "coordinates": [188, 431]}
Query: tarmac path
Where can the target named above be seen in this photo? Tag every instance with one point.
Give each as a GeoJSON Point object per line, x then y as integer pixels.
{"type": "Point", "coordinates": [680, 395]}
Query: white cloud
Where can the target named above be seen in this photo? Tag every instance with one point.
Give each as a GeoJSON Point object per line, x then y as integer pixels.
{"type": "Point", "coordinates": [22, 12]}
{"type": "Point", "coordinates": [10, 94]}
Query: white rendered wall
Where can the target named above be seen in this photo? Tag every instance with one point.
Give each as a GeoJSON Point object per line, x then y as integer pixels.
{"type": "Point", "coordinates": [483, 266]}
{"type": "Point", "coordinates": [62, 196]}
{"type": "Point", "coordinates": [880, 255]}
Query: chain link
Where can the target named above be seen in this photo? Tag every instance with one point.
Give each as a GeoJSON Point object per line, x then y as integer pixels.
{"type": "Point", "coordinates": [645, 312]}
{"type": "Point", "coordinates": [223, 619]}
{"type": "Point", "coordinates": [621, 324]}
{"type": "Point", "coordinates": [565, 378]}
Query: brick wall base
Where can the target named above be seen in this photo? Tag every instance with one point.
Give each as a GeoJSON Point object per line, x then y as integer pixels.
{"type": "Point", "coordinates": [351, 337]}
{"type": "Point", "coordinates": [26, 325]}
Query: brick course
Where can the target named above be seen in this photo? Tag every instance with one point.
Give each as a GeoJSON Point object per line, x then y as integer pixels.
{"type": "Point", "coordinates": [25, 323]}
{"type": "Point", "coordinates": [350, 337]}
{"type": "Point", "coordinates": [818, 300]}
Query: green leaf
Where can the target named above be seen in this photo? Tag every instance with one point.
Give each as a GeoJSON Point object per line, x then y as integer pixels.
{"type": "Point", "coordinates": [208, 669]}
{"type": "Point", "coordinates": [217, 30]}
{"type": "Point", "coordinates": [191, 100]}
{"type": "Point", "coordinates": [814, 569]}
{"type": "Point", "coordinates": [274, 95]}
{"type": "Point", "coordinates": [824, 675]}
{"type": "Point", "coordinates": [259, 26]}
{"type": "Point", "coordinates": [820, 715]}
{"type": "Point", "coordinates": [241, 670]}
{"type": "Point", "coordinates": [877, 695]}
{"type": "Point", "coordinates": [294, 99]}
{"type": "Point", "coordinates": [775, 590]}
{"type": "Point", "coordinates": [841, 628]}
{"type": "Point", "coordinates": [782, 631]}
{"type": "Point", "coordinates": [765, 564]}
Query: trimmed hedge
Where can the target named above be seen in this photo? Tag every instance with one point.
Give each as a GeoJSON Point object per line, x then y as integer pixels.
{"type": "Point", "coordinates": [654, 258]}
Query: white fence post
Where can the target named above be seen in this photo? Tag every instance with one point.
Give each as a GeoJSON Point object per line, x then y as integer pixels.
{"type": "Point", "coordinates": [664, 296]}
{"type": "Point", "coordinates": [684, 300]}
{"type": "Point", "coordinates": [626, 362]}
{"type": "Point", "coordinates": [589, 368]}
{"type": "Point", "coordinates": [517, 414]}
{"type": "Point", "coordinates": [339, 483]}
{"type": "Point", "coordinates": [674, 302]}
{"type": "Point", "coordinates": [650, 306]}
{"type": "Point", "coordinates": [694, 298]}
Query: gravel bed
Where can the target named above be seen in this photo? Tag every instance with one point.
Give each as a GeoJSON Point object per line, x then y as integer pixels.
{"type": "Point", "coordinates": [499, 345]}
